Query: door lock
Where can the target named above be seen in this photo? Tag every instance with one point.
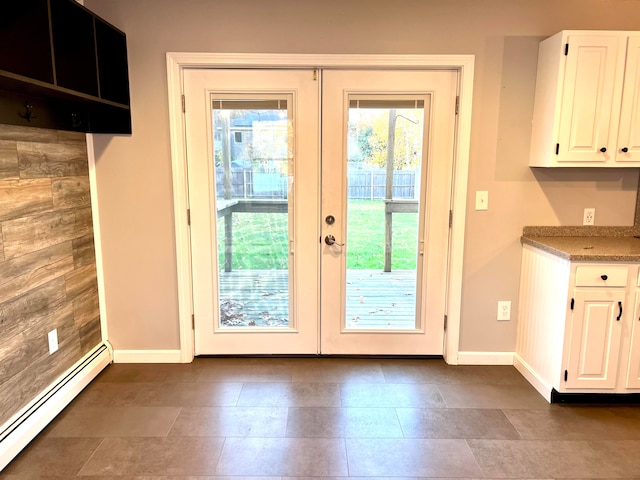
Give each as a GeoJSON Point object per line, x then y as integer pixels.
{"type": "Point", "coordinates": [331, 240]}
{"type": "Point", "coordinates": [330, 219]}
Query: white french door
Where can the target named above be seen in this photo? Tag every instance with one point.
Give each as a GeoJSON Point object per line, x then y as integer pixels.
{"type": "Point", "coordinates": [302, 245]}
{"type": "Point", "coordinates": [253, 166]}
{"type": "Point", "coordinates": [384, 279]}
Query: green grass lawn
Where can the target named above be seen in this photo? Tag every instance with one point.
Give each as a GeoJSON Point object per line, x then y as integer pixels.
{"type": "Point", "coordinates": [260, 239]}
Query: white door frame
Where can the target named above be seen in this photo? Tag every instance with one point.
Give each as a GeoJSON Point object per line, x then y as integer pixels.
{"type": "Point", "coordinates": [178, 61]}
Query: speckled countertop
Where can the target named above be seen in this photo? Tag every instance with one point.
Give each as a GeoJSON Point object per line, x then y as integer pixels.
{"type": "Point", "coordinates": [588, 248]}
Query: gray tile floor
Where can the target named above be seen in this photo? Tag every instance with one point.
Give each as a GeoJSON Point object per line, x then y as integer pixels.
{"type": "Point", "coordinates": [327, 417]}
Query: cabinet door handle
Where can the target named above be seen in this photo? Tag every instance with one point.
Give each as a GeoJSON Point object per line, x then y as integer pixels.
{"type": "Point", "coordinates": [604, 277]}
{"type": "Point", "coordinates": [619, 316]}
{"type": "Point", "coordinates": [624, 150]}
{"type": "Point", "coordinates": [603, 149]}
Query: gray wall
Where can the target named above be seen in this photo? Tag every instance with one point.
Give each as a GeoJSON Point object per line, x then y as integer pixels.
{"type": "Point", "coordinates": [47, 260]}
{"type": "Point", "coordinates": [134, 173]}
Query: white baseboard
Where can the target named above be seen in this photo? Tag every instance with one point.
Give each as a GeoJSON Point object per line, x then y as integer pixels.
{"type": "Point", "coordinates": [23, 427]}
{"type": "Point", "coordinates": [485, 358]}
{"type": "Point", "coordinates": [147, 356]}
{"type": "Point", "coordinates": [532, 377]}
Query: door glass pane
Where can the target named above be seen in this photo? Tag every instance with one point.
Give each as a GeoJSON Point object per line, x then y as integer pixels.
{"type": "Point", "coordinates": [253, 189]}
{"type": "Point", "coordinates": [384, 161]}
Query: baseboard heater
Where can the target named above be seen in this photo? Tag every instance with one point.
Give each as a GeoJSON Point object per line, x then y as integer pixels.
{"type": "Point", "coordinates": [25, 425]}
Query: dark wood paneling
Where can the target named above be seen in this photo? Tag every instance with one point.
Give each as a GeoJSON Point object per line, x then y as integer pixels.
{"type": "Point", "coordinates": [32, 308]}
{"type": "Point", "coordinates": [27, 272]}
{"type": "Point", "coordinates": [81, 281]}
{"type": "Point", "coordinates": [29, 234]}
{"type": "Point", "coordinates": [33, 343]}
{"type": "Point", "coordinates": [22, 134]}
{"type": "Point", "coordinates": [86, 313]}
{"type": "Point", "coordinates": [47, 260]}
{"type": "Point", "coordinates": [39, 374]}
{"type": "Point", "coordinates": [90, 334]}
{"type": "Point", "coordinates": [84, 222]}
{"type": "Point", "coordinates": [86, 308]}
{"type": "Point", "coordinates": [72, 138]}
{"type": "Point", "coordinates": [83, 251]}
{"type": "Point", "coordinates": [8, 160]}
{"type": "Point", "coordinates": [19, 198]}
{"type": "Point", "coordinates": [71, 192]}
{"type": "Point", "coordinates": [38, 160]}
{"type": "Point", "coordinates": [1, 245]}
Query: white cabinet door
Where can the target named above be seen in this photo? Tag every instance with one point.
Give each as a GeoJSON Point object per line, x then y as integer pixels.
{"type": "Point", "coordinates": [587, 104]}
{"type": "Point", "coordinates": [633, 365]}
{"type": "Point", "coordinates": [628, 146]}
{"type": "Point", "coordinates": [590, 99]}
{"type": "Point", "coordinates": [594, 345]}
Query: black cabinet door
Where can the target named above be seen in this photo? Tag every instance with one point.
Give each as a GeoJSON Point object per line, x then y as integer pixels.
{"type": "Point", "coordinates": [25, 41]}
{"type": "Point", "coordinates": [113, 71]}
{"type": "Point", "coordinates": [74, 47]}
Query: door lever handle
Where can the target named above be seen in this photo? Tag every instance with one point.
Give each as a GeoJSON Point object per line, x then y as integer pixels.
{"type": "Point", "coordinates": [331, 240]}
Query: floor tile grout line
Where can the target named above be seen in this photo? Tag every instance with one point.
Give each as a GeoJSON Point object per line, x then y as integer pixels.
{"type": "Point", "coordinates": [346, 456]}
{"type": "Point", "coordinates": [104, 439]}
{"type": "Point", "coordinates": [395, 410]}
{"type": "Point", "coordinates": [180, 410]}
{"type": "Point", "coordinates": [515, 427]}
{"type": "Point", "coordinates": [466, 442]}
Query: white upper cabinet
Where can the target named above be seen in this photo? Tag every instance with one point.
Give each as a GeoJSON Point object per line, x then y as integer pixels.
{"type": "Point", "coordinates": [629, 132]}
{"type": "Point", "coordinates": [587, 104]}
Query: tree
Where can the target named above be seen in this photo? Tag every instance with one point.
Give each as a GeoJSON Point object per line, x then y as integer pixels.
{"type": "Point", "coordinates": [370, 127]}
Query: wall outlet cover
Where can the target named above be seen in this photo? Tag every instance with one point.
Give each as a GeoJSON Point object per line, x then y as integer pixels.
{"type": "Point", "coordinates": [589, 216]}
{"type": "Point", "coordinates": [482, 200]}
{"type": "Point", "coordinates": [504, 310]}
{"type": "Point", "coordinates": [53, 341]}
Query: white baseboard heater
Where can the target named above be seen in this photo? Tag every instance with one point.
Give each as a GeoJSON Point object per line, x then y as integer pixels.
{"type": "Point", "coordinates": [25, 425]}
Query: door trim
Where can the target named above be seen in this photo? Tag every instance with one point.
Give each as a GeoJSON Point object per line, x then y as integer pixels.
{"type": "Point", "coordinates": [178, 61]}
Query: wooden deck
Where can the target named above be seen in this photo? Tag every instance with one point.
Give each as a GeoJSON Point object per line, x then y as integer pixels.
{"type": "Point", "coordinates": [375, 299]}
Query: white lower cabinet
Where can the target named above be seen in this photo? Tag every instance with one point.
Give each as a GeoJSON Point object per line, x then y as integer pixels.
{"type": "Point", "coordinates": [633, 366]}
{"type": "Point", "coordinates": [594, 338]}
{"type": "Point", "coordinates": [578, 327]}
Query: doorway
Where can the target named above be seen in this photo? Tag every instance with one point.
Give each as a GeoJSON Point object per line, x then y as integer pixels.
{"type": "Point", "coordinates": [280, 269]}
{"type": "Point", "coordinates": [460, 64]}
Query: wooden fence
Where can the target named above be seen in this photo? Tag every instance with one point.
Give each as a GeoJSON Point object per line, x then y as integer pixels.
{"type": "Point", "coordinates": [363, 184]}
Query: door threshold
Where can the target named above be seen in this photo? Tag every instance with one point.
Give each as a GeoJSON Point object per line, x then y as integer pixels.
{"type": "Point", "coordinates": [321, 355]}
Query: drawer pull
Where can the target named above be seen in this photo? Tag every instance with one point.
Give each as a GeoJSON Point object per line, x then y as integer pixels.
{"type": "Point", "coordinates": [619, 316]}
{"type": "Point", "coordinates": [604, 277]}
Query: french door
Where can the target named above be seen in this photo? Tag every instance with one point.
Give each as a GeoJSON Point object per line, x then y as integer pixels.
{"type": "Point", "coordinates": [319, 208]}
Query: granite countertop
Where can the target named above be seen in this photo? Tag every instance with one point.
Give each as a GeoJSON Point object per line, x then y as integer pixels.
{"type": "Point", "coordinates": [588, 248]}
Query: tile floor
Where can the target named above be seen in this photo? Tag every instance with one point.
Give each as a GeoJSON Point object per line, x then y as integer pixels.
{"type": "Point", "coordinates": [328, 417]}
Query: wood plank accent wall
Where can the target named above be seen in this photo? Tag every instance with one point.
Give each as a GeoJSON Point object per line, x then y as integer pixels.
{"type": "Point", "coordinates": [47, 260]}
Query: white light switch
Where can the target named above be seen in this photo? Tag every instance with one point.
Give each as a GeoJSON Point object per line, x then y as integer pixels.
{"type": "Point", "coordinates": [482, 200]}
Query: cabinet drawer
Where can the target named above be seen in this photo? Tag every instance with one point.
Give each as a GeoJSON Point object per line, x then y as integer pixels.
{"type": "Point", "coordinates": [601, 276]}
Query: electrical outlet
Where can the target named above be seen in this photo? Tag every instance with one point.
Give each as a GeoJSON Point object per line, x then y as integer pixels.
{"type": "Point", "coordinates": [482, 200]}
{"type": "Point", "coordinates": [504, 310]}
{"type": "Point", "coordinates": [589, 217]}
{"type": "Point", "coordinates": [53, 341]}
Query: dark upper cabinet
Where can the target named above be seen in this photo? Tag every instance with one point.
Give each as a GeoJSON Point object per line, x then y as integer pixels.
{"type": "Point", "coordinates": [113, 72]}
{"type": "Point", "coordinates": [25, 42]}
{"type": "Point", "coordinates": [74, 47]}
{"type": "Point", "coordinates": [62, 67]}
